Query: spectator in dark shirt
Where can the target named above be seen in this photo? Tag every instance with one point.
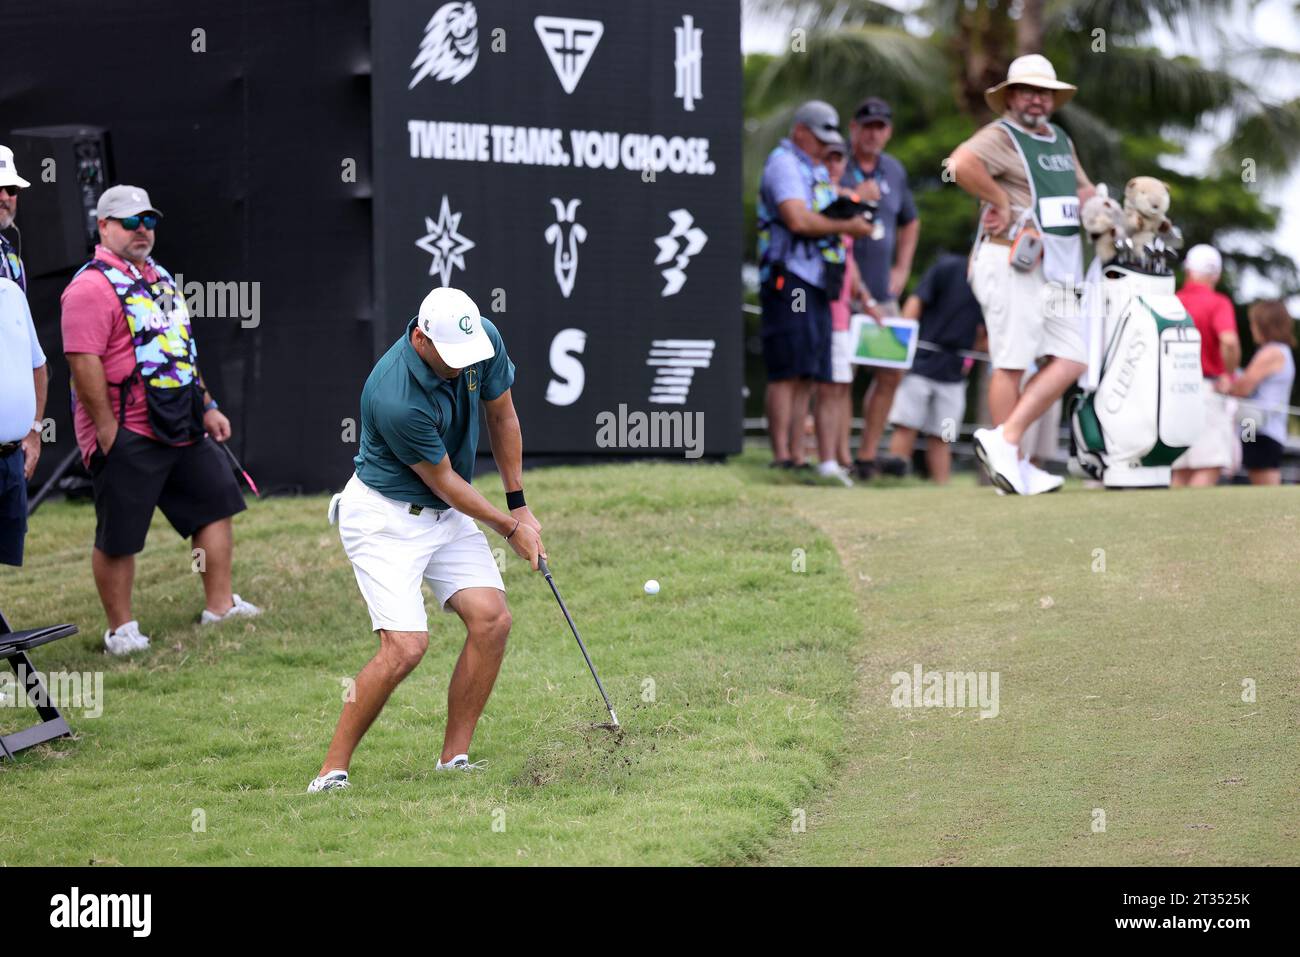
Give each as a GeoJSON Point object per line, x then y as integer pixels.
{"type": "Point", "coordinates": [932, 396]}
{"type": "Point", "coordinates": [884, 258]}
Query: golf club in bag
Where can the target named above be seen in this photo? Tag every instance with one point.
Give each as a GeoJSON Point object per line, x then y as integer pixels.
{"type": "Point", "coordinates": [541, 565]}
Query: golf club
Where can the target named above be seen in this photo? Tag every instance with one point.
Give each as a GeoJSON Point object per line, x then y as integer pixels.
{"type": "Point", "coordinates": [239, 468]}
{"type": "Point", "coordinates": [541, 565]}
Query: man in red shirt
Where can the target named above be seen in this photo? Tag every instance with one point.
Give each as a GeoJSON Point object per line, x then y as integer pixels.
{"type": "Point", "coordinates": [145, 423]}
{"type": "Point", "coordinates": [1216, 321]}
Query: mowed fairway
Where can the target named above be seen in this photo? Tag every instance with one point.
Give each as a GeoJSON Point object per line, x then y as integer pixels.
{"type": "Point", "coordinates": [1122, 625]}
{"type": "Point", "coordinates": [750, 691]}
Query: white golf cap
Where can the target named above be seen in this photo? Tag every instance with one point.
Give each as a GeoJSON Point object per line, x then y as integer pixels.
{"type": "Point", "coordinates": [1204, 260]}
{"type": "Point", "coordinates": [117, 202]}
{"type": "Point", "coordinates": [8, 171]}
{"type": "Point", "coordinates": [450, 320]}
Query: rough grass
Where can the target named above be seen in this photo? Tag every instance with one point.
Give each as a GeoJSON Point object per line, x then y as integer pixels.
{"type": "Point", "coordinates": [731, 683]}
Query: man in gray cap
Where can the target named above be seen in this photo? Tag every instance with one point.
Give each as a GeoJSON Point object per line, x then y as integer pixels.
{"type": "Point", "coordinates": [11, 264]}
{"type": "Point", "coordinates": [884, 260]}
{"type": "Point", "coordinates": [801, 269]}
{"type": "Point", "coordinates": [145, 422]}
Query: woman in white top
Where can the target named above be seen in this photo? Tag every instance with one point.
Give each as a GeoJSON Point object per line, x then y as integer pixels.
{"type": "Point", "coordinates": [1266, 384]}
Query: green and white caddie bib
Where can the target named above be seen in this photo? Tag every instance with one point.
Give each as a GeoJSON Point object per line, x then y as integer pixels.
{"type": "Point", "coordinates": [1049, 166]}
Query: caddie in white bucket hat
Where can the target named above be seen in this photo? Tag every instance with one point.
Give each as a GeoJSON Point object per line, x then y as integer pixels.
{"type": "Point", "coordinates": [407, 517]}
{"type": "Point", "coordinates": [1026, 173]}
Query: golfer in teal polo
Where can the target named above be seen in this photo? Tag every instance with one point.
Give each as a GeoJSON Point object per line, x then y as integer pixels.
{"type": "Point", "coordinates": [407, 517]}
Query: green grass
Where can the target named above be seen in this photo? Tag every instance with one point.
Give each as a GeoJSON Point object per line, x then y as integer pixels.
{"type": "Point", "coordinates": [771, 686]}
{"type": "Point", "coordinates": [1120, 689]}
{"type": "Point", "coordinates": [749, 683]}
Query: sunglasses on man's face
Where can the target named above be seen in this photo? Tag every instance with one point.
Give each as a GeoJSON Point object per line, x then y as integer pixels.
{"type": "Point", "coordinates": [9, 190]}
{"type": "Point", "coordinates": [132, 223]}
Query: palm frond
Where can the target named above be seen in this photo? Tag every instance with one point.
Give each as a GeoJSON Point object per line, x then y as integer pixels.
{"type": "Point", "coordinates": [845, 65]}
{"type": "Point", "coordinates": [1136, 18]}
{"type": "Point", "coordinates": [1269, 137]}
{"type": "Point", "coordinates": [1140, 87]}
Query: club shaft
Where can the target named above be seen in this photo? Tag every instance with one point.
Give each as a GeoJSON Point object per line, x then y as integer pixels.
{"type": "Point", "coordinates": [583, 648]}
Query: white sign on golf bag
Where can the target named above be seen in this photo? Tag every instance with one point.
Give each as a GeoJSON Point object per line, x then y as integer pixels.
{"type": "Point", "coordinates": [1146, 406]}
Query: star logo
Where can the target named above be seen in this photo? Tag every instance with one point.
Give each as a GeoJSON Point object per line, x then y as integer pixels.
{"type": "Point", "coordinates": [444, 243]}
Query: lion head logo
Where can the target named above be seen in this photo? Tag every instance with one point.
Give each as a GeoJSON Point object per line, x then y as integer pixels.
{"type": "Point", "coordinates": [450, 46]}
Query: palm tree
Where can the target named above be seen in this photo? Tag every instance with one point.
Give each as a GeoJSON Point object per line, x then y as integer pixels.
{"type": "Point", "coordinates": [1135, 105]}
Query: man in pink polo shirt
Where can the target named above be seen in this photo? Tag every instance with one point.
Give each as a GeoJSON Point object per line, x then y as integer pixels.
{"type": "Point", "coordinates": [145, 423]}
{"type": "Point", "coordinates": [1216, 321]}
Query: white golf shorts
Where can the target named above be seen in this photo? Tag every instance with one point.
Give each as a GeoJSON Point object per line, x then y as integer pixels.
{"type": "Point", "coordinates": [393, 551]}
{"type": "Point", "coordinates": [1021, 324]}
{"type": "Point", "coordinates": [1216, 447]}
{"type": "Point", "coordinates": [841, 349]}
{"type": "Point", "coordinates": [929, 407]}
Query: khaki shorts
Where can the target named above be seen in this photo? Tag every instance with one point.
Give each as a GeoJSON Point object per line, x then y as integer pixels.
{"type": "Point", "coordinates": [1021, 327]}
{"type": "Point", "coordinates": [929, 407]}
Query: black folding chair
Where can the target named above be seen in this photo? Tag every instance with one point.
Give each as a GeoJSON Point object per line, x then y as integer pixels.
{"type": "Point", "coordinates": [14, 646]}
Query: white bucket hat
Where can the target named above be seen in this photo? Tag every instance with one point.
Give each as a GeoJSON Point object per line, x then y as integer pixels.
{"type": "Point", "coordinates": [1031, 70]}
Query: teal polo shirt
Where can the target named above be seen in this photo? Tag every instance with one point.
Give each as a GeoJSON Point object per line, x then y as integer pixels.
{"type": "Point", "coordinates": [410, 414]}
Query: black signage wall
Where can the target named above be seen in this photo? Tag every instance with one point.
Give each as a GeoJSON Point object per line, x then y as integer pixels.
{"type": "Point", "coordinates": [574, 165]}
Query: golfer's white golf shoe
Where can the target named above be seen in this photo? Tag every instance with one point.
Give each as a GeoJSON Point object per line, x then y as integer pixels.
{"type": "Point", "coordinates": [460, 762]}
{"type": "Point", "coordinates": [1000, 459]}
{"type": "Point", "coordinates": [240, 609]}
{"type": "Point", "coordinates": [329, 781]}
{"type": "Point", "coordinates": [1038, 481]}
{"type": "Point", "coordinates": [125, 639]}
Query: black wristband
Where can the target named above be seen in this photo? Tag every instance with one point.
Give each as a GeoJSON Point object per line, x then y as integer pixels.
{"type": "Point", "coordinates": [515, 500]}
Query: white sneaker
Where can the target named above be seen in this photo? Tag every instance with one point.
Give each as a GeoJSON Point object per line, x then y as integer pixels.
{"type": "Point", "coordinates": [329, 781]}
{"type": "Point", "coordinates": [240, 609]}
{"type": "Point", "coordinates": [835, 471]}
{"type": "Point", "coordinates": [1000, 459]}
{"type": "Point", "coordinates": [460, 763]}
{"type": "Point", "coordinates": [125, 639]}
{"type": "Point", "coordinates": [1038, 481]}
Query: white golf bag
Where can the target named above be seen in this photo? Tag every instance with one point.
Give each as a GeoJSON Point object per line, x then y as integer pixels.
{"type": "Point", "coordinates": [1141, 406]}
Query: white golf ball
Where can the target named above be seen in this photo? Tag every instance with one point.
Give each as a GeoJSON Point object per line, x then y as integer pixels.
{"type": "Point", "coordinates": [652, 587]}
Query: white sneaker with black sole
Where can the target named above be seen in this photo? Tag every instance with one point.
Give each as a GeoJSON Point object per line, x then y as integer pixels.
{"type": "Point", "coordinates": [1000, 459]}
{"type": "Point", "coordinates": [460, 762]}
{"type": "Point", "coordinates": [1038, 481]}
{"type": "Point", "coordinates": [329, 781]}
{"type": "Point", "coordinates": [125, 639]}
{"type": "Point", "coordinates": [240, 609]}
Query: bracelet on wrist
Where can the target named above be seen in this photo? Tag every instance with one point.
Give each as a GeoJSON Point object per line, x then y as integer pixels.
{"type": "Point", "coordinates": [513, 530]}
{"type": "Point", "coordinates": [210, 405]}
{"type": "Point", "coordinates": [515, 499]}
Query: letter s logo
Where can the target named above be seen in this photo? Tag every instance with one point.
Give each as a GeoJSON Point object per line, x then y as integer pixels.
{"type": "Point", "coordinates": [565, 348]}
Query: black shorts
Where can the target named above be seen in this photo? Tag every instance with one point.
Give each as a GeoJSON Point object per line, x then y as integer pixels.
{"type": "Point", "coordinates": [796, 342]}
{"type": "Point", "coordinates": [13, 508]}
{"type": "Point", "coordinates": [192, 484]}
{"type": "Point", "coordinates": [1263, 453]}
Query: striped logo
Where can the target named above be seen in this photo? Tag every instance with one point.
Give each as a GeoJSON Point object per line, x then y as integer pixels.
{"type": "Point", "coordinates": [675, 362]}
